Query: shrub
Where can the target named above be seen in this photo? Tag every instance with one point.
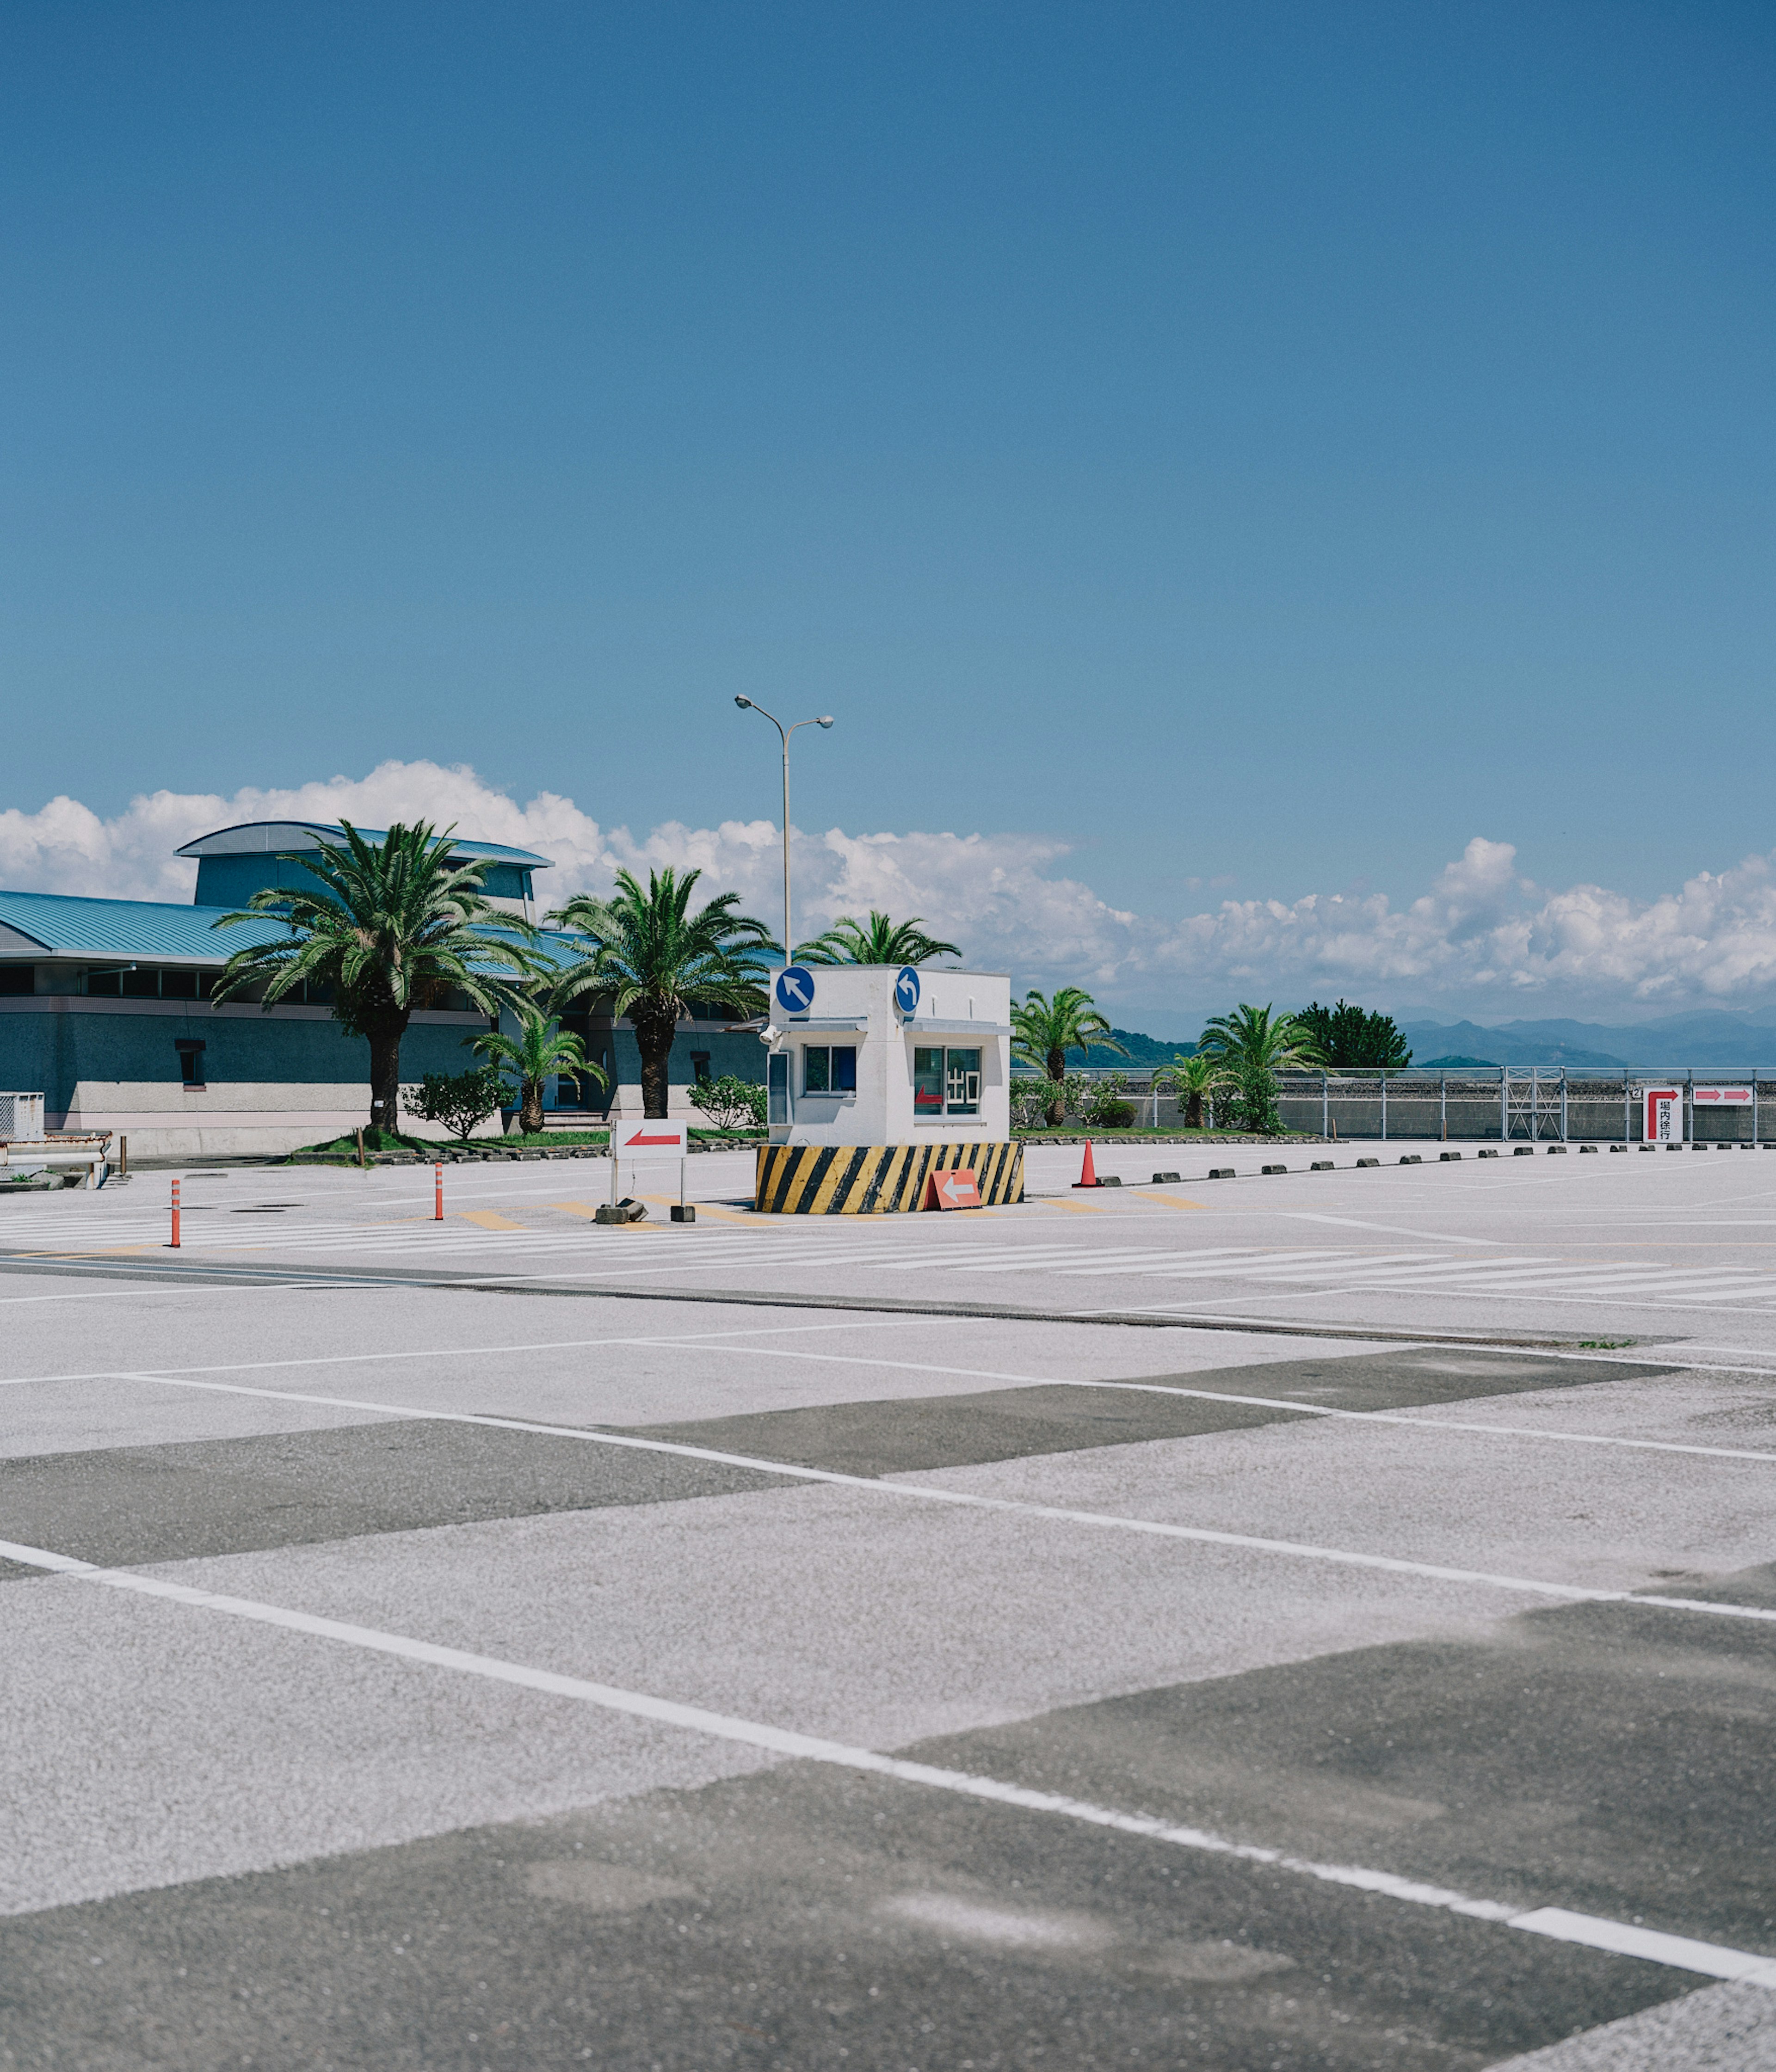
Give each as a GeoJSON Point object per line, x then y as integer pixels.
{"type": "Point", "coordinates": [459, 1101]}
{"type": "Point", "coordinates": [730, 1102]}
{"type": "Point", "coordinates": [1113, 1114]}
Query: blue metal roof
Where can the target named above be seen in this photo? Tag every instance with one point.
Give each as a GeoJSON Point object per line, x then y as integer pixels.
{"type": "Point", "coordinates": [62, 926]}
{"type": "Point", "coordinates": [55, 924]}
{"type": "Point", "coordinates": [276, 835]}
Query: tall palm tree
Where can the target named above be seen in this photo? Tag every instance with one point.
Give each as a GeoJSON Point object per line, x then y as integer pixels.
{"type": "Point", "coordinates": [1253, 1044]}
{"type": "Point", "coordinates": [1044, 1030]}
{"type": "Point", "coordinates": [877, 941]}
{"type": "Point", "coordinates": [1194, 1080]}
{"type": "Point", "coordinates": [390, 926]}
{"type": "Point", "coordinates": [652, 957]}
{"type": "Point", "coordinates": [542, 1047]}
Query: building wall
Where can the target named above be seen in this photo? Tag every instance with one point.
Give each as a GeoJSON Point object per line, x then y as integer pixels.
{"type": "Point", "coordinates": [271, 1082]}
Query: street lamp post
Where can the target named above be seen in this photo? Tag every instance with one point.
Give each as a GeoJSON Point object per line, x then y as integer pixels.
{"type": "Point", "coordinates": [747, 704]}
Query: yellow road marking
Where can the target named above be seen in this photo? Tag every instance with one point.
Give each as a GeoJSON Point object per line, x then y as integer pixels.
{"type": "Point", "coordinates": [489, 1219]}
{"type": "Point", "coordinates": [1083, 1208]}
{"type": "Point", "coordinates": [1172, 1201]}
{"type": "Point", "coordinates": [574, 1209]}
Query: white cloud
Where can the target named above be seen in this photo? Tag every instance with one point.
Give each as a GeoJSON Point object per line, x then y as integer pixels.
{"type": "Point", "coordinates": [1481, 939]}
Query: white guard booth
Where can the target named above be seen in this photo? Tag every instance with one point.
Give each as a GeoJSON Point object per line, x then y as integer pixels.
{"type": "Point", "coordinates": [874, 1054]}
{"type": "Point", "coordinates": [890, 1091]}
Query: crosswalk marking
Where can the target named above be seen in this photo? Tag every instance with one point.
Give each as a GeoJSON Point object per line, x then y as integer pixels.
{"type": "Point", "coordinates": [553, 1233]}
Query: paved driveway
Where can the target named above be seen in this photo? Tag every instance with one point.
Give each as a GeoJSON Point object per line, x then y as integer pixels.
{"type": "Point", "coordinates": [1317, 1620]}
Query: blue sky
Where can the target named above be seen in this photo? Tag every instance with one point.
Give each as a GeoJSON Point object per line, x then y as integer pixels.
{"type": "Point", "coordinates": [1247, 454]}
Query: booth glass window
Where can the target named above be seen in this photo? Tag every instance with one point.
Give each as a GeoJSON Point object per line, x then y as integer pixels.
{"type": "Point", "coordinates": [777, 1068]}
{"type": "Point", "coordinates": [945, 1083]}
{"type": "Point", "coordinates": [829, 1068]}
{"type": "Point", "coordinates": [962, 1082]}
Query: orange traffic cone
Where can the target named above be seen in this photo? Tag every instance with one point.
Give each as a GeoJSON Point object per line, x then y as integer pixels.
{"type": "Point", "coordinates": [1088, 1172]}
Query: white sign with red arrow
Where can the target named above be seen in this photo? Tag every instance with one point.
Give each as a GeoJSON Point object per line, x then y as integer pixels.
{"type": "Point", "coordinates": [631, 1139]}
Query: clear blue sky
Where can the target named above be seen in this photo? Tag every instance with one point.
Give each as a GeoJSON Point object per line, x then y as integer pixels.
{"type": "Point", "coordinates": [1267, 443]}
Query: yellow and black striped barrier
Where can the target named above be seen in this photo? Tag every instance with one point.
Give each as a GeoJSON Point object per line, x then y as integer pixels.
{"type": "Point", "coordinates": [877, 1179]}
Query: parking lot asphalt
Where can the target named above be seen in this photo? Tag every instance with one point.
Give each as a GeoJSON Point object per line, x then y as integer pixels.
{"type": "Point", "coordinates": [1308, 1620]}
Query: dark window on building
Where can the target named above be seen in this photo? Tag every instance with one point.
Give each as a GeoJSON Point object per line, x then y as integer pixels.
{"type": "Point", "coordinates": [829, 1069]}
{"type": "Point", "coordinates": [190, 1060]}
{"type": "Point", "coordinates": [150, 983]}
{"type": "Point", "coordinates": [700, 1067]}
{"type": "Point", "coordinates": [18, 978]}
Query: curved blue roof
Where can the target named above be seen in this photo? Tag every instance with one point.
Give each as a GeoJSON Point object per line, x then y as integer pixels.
{"type": "Point", "coordinates": [263, 837]}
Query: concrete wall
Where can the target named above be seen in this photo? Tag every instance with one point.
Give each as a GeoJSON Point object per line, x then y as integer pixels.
{"type": "Point", "coordinates": [274, 1082]}
{"type": "Point", "coordinates": [271, 1082]}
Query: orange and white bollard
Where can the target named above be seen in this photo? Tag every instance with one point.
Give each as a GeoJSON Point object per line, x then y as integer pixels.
{"type": "Point", "coordinates": [437, 1191]}
{"type": "Point", "coordinates": [176, 1215]}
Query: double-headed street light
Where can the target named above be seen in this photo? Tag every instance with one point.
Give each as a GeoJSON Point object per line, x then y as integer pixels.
{"type": "Point", "coordinates": [747, 704]}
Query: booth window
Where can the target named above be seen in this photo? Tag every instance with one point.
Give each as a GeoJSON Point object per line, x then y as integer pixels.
{"type": "Point", "coordinates": [946, 1083]}
{"type": "Point", "coordinates": [829, 1068]}
{"type": "Point", "coordinates": [777, 1067]}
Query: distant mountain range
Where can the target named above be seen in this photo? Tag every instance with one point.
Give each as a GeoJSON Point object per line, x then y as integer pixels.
{"type": "Point", "coordinates": [1712, 1037]}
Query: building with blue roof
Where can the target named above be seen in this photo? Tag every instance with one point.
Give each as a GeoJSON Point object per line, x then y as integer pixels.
{"type": "Point", "coordinates": [105, 1009]}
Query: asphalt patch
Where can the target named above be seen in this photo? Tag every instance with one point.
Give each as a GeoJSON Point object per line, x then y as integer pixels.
{"type": "Point", "coordinates": [909, 1434]}
{"type": "Point", "coordinates": [1609, 1760]}
{"type": "Point", "coordinates": [1413, 1377]}
{"type": "Point", "coordinates": [130, 1505]}
{"type": "Point", "coordinates": [804, 1917]}
{"type": "Point", "coordinates": [904, 1435]}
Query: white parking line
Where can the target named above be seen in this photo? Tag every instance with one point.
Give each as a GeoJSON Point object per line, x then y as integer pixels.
{"type": "Point", "coordinates": [1712, 1960]}
{"type": "Point", "coordinates": [975, 1500]}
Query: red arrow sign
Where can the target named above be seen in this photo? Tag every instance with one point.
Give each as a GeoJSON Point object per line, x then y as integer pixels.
{"type": "Point", "coordinates": [676, 1138]}
{"type": "Point", "coordinates": [959, 1188]}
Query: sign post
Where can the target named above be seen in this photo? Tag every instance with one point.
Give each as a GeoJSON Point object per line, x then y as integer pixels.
{"type": "Point", "coordinates": [1664, 1122]}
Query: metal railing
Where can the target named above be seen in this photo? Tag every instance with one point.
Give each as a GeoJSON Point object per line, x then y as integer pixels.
{"type": "Point", "coordinates": [1528, 1103]}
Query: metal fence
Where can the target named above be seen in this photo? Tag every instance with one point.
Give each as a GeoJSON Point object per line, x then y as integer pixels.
{"type": "Point", "coordinates": [1529, 1103]}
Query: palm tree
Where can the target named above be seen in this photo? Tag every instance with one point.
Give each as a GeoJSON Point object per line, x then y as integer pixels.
{"type": "Point", "coordinates": [389, 926]}
{"type": "Point", "coordinates": [652, 957]}
{"type": "Point", "coordinates": [877, 941]}
{"type": "Point", "coordinates": [1043, 1031]}
{"type": "Point", "coordinates": [540, 1047]}
{"type": "Point", "coordinates": [1194, 1080]}
{"type": "Point", "coordinates": [1252, 1045]}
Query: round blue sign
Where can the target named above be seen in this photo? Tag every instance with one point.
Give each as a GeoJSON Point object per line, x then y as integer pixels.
{"type": "Point", "coordinates": [796, 989]}
{"type": "Point", "coordinates": [907, 990]}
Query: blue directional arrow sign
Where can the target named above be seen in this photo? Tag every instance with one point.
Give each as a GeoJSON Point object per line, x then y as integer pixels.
{"type": "Point", "coordinates": [796, 989]}
{"type": "Point", "coordinates": [907, 990]}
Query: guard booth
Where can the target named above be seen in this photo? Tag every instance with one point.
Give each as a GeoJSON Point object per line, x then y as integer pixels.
{"type": "Point", "coordinates": [880, 1077]}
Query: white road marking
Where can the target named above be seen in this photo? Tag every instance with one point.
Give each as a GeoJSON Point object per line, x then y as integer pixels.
{"type": "Point", "coordinates": [1407, 1418]}
{"type": "Point", "coordinates": [1393, 1230]}
{"type": "Point", "coordinates": [975, 1500]}
{"type": "Point", "coordinates": [1683, 1953]}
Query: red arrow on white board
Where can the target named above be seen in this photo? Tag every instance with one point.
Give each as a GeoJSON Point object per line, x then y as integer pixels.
{"type": "Point", "coordinates": [632, 1142]}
